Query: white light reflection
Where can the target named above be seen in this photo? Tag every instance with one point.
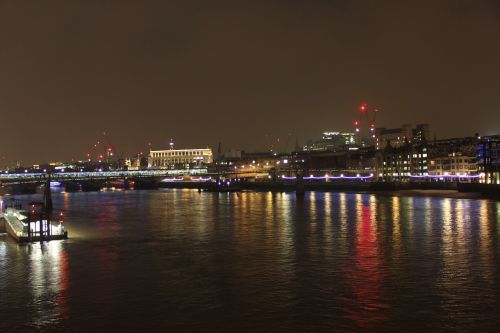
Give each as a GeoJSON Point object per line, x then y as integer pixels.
{"type": "Point", "coordinates": [49, 281]}
{"type": "Point", "coordinates": [498, 219]}
{"type": "Point", "coordinates": [428, 217]}
{"type": "Point", "coordinates": [410, 216]}
{"type": "Point", "coordinates": [396, 226]}
{"type": "Point", "coordinates": [328, 216]}
{"type": "Point", "coordinates": [486, 244]}
{"type": "Point", "coordinates": [343, 214]}
{"type": "Point", "coordinates": [313, 213]}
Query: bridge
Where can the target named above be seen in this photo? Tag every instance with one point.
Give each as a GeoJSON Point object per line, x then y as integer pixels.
{"type": "Point", "coordinates": [28, 183]}
{"type": "Point", "coordinates": [22, 178]}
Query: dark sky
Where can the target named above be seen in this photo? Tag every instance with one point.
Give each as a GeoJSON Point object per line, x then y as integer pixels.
{"type": "Point", "coordinates": [240, 72]}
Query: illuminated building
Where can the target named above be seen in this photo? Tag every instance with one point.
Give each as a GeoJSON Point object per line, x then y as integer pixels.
{"type": "Point", "coordinates": [488, 159]}
{"type": "Point", "coordinates": [421, 133]}
{"type": "Point", "coordinates": [248, 166]}
{"type": "Point", "coordinates": [453, 164]}
{"type": "Point", "coordinates": [341, 138]}
{"type": "Point", "coordinates": [332, 141]}
{"type": "Point", "coordinates": [138, 162]}
{"type": "Point", "coordinates": [246, 162]}
{"type": "Point", "coordinates": [465, 146]}
{"type": "Point", "coordinates": [348, 162]}
{"type": "Point", "coordinates": [453, 157]}
{"type": "Point", "coordinates": [403, 135]}
{"type": "Point", "coordinates": [399, 163]}
{"type": "Point", "coordinates": [237, 157]}
{"type": "Point", "coordinates": [179, 158]}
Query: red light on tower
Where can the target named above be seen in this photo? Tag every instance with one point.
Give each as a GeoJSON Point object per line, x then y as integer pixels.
{"type": "Point", "coordinates": [363, 107]}
{"type": "Point", "coordinates": [356, 124]}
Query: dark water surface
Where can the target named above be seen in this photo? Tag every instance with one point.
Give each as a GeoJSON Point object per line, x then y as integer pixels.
{"type": "Point", "coordinates": [179, 260]}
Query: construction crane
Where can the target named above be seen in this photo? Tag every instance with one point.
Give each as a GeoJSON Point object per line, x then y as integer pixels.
{"type": "Point", "coordinates": [373, 122]}
{"type": "Point", "coordinates": [109, 148]}
{"type": "Point", "coordinates": [368, 116]}
{"type": "Point", "coordinates": [362, 114]}
{"type": "Point", "coordinates": [102, 149]}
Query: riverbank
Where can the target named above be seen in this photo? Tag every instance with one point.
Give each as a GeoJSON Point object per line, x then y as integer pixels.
{"type": "Point", "coordinates": [431, 189]}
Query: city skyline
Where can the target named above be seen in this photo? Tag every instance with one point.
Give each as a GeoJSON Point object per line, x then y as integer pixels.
{"type": "Point", "coordinates": [236, 72]}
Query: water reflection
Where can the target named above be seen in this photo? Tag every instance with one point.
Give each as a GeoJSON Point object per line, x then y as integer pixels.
{"type": "Point", "coordinates": [49, 282]}
{"type": "Point", "coordinates": [396, 226]}
{"type": "Point", "coordinates": [427, 217]}
{"type": "Point", "coordinates": [259, 261]}
{"type": "Point", "coordinates": [486, 250]}
{"type": "Point", "coordinates": [342, 206]}
{"type": "Point", "coordinates": [496, 226]}
{"type": "Point", "coordinates": [365, 274]}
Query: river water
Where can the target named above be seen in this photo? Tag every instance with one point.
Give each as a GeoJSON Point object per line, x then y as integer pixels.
{"type": "Point", "coordinates": [179, 260]}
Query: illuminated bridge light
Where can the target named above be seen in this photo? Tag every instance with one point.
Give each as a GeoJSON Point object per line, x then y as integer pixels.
{"type": "Point", "coordinates": [445, 176]}
{"type": "Point", "coordinates": [328, 177]}
{"type": "Point", "coordinates": [201, 179]}
{"type": "Point", "coordinates": [168, 180]}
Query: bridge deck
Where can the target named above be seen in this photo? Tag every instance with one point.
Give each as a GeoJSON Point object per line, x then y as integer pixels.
{"type": "Point", "coordinates": [61, 176]}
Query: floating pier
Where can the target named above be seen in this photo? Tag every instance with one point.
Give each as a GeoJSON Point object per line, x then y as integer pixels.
{"type": "Point", "coordinates": [34, 226]}
{"type": "Point", "coordinates": [19, 226]}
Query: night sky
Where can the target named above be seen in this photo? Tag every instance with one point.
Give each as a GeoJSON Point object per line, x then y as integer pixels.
{"type": "Point", "coordinates": [240, 72]}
